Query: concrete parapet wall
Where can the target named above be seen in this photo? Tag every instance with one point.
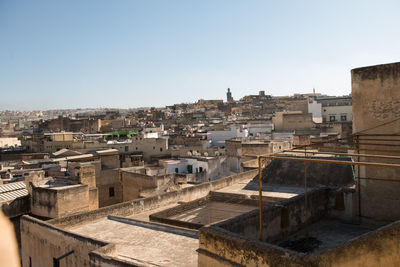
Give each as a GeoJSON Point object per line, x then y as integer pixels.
{"type": "Point", "coordinates": [235, 241]}
{"type": "Point", "coordinates": [16, 207]}
{"type": "Point", "coordinates": [376, 112]}
{"type": "Point", "coordinates": [377, 248]}
{"type": "Point", "coordinates": [283, 218]}
{"type": "Point", "coordinates": [141, 205]}
{"type": "Point", "coordinates": [41, 242]}
{"type": "Point", "coordinates": [54, 203]}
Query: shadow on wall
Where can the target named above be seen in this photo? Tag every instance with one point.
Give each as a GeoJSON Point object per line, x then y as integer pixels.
{"type": "Point", "coordinates": [291, 173]}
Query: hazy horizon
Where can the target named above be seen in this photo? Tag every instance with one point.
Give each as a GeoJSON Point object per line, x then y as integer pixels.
{"type": "Point", "coordinates": [130, 54]}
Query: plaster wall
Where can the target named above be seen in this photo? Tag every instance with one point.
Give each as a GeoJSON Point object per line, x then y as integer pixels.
{"type": "Point", "coordinates": [54, 203]}
{"type": "Point", "coordinates": [337, 112]}
{"type": "Point", "coordinates": [41, 243]}
{"type": "Point", "coordinates": [9, 142]}
{"type": "Point", "coordinates": [109, 178]}
{"type": "Point", "coordinates": [376, 111]}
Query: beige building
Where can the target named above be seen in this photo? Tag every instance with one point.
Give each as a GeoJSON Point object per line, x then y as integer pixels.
{"type": "Point", "coordinates": [291, 121]}
{"type": "Point", "coordinates": [376, 110]}
{"type": "Point", "coordinates": [48, 142]}
{"type": "Point", "coordinates": [239, 151]}
{"type": "Point", "coordinates": [339, 113]}
{"type": "Point", "coordinates": [53, 197]}
{"type": "Point", "coordinates": [7, 142]}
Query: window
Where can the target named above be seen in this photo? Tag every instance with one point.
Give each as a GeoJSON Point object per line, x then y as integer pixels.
{"type": "Point", "coordinates": [111, 192]}
{"type": "Point", "coordinates": [176, 170]}
{"type": "Point", "coordinates": [126, 148]}
{"type": "Point", "coordinates": [190, 168]}
{"type": "Point", "coordinates": [332, 118]}
{"type": "Point", "coordinates": [201, 169]}
{"type": "Point", "coordinates": [154, 147]}
{"type": "Point", "coordinates": [343, 118]}
{"type": "Point", "coordinates": [160, 149]}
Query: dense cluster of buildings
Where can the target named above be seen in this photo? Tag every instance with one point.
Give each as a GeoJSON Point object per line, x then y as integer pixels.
{"type": "Point", "coordinates": [180, 185]}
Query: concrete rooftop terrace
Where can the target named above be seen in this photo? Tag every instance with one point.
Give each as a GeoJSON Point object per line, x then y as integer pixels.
{"type": "Point", "coordinates": [146, 244]}
{"type": "Point", "coordinates": [139, 241]}
{"type": "Point", "coordinates": [250, 188]}
{"type": "Point", "coordinates": [325, 234]}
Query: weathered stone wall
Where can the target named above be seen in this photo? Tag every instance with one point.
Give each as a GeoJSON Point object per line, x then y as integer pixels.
{"type": "Point", "coordinates": [145, 204]}
{"type": "Point", "coordinates": [54, 203]}
{"type": "Point", "coordinates": [109, 178]}
{"type": "Point", "coordinates": [291, 173]}
{"type": "Point", "coordinates": [255, 148]}
{"type": "Point", "coordinates": [297, 122]}
{"type": "Point", "coordinates": [377, 248]}
{"type": "Point", "coordinates": [15, 208]}
{"type": "Point", "coordinates": [376, 98]}
{"type": "Point", "coordinates": [235, 241]}
{"type": "Point", "coordinates": [292, 121]}
{"type": "Point", "coordinates": [283, 219]}
{"type": "Point", "coordinates": [376, 111]}
{"type": "Point", "coordinates": [93, 198]}
{"type": "Point", "coordinates": [217, 167]}
{"type": "Point", "coordinates": [44, 202]}
{"type": "Point", "coordinates": [42, 242]}
{"type": "Point", "coordinates": [110, 161]}
{"type": "Point", "coordinates": [87, 175]}
{"type": "Point", "coordinates": [72, 199]}
{"type": "Point", "coordinates": [133, 183]}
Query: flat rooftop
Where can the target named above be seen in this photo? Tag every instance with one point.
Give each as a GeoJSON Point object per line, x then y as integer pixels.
{"type": "Point", "coordinates": [212, 212]}
{"type": "Point", "coordinates": [325, 234]}
{"type": "Point", "coordinates": [250, 188]}
{"type": "Point", "coordinates": [143, 244]}
{"type": "Point", "coordinates": [214, 208]}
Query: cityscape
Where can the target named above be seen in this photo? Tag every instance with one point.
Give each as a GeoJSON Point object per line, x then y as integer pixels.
{"type": "Point", "coordinates": [258, 177]}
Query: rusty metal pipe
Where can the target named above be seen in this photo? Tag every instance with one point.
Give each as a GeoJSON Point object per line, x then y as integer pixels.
{"type": "Point", "coordinates": [260, 197]}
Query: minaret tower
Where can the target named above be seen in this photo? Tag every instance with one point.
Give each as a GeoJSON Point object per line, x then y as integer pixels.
{"type": "Point", "coordinates": [229, 97]}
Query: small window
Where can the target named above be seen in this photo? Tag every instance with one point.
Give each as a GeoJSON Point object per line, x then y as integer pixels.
{"type": "Point", "coordinates": [111, 191]}
{"type": "Point", "coordinates": [176, 170]}
{"type": "Point", "coordinates": [201, 169]}
{"type": "Point", "coordinates": [160, 149]}
{"type": "Point", "coordinates": [343, 118]}
{"type": "Point", "coordinates": [154, 147]}
{"type": "Point", "coordinates": [332, 118]}
{"type": "Point", "coordinates": [137, 148]}
{"type": "Point", "coordinates": [126, 148]}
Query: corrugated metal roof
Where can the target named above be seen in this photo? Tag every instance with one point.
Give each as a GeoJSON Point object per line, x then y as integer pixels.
{"type": "Point", "coordinates": [12, 191]}
{"type": "Point", "coordinates": [12, 187]}
{"type": "Point", "coordinates": [8, 196]}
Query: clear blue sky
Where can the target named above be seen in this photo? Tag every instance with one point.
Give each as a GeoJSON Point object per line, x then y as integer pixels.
{"type": "Point", "coordinates": [70, 54]}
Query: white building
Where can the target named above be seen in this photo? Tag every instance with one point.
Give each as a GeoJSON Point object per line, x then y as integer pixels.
{"type": "Point", "coordinates": [331, 109]}
{"type": "Point", "coordinates": [7, 142]}
{"type": "Point", "coordinates": [336, 109]}
{"type": "Point", "coordinates": [315, 108]}
{"type": "Point", "coordinates": [218, 138]}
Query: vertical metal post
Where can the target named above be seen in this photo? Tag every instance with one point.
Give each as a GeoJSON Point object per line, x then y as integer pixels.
{"type": "Point", "coordinates": [260, 196]}
{"type": "Point", "coordinates": [358, 177]}
{"type": "Point", "coordinates": [305, 196]}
